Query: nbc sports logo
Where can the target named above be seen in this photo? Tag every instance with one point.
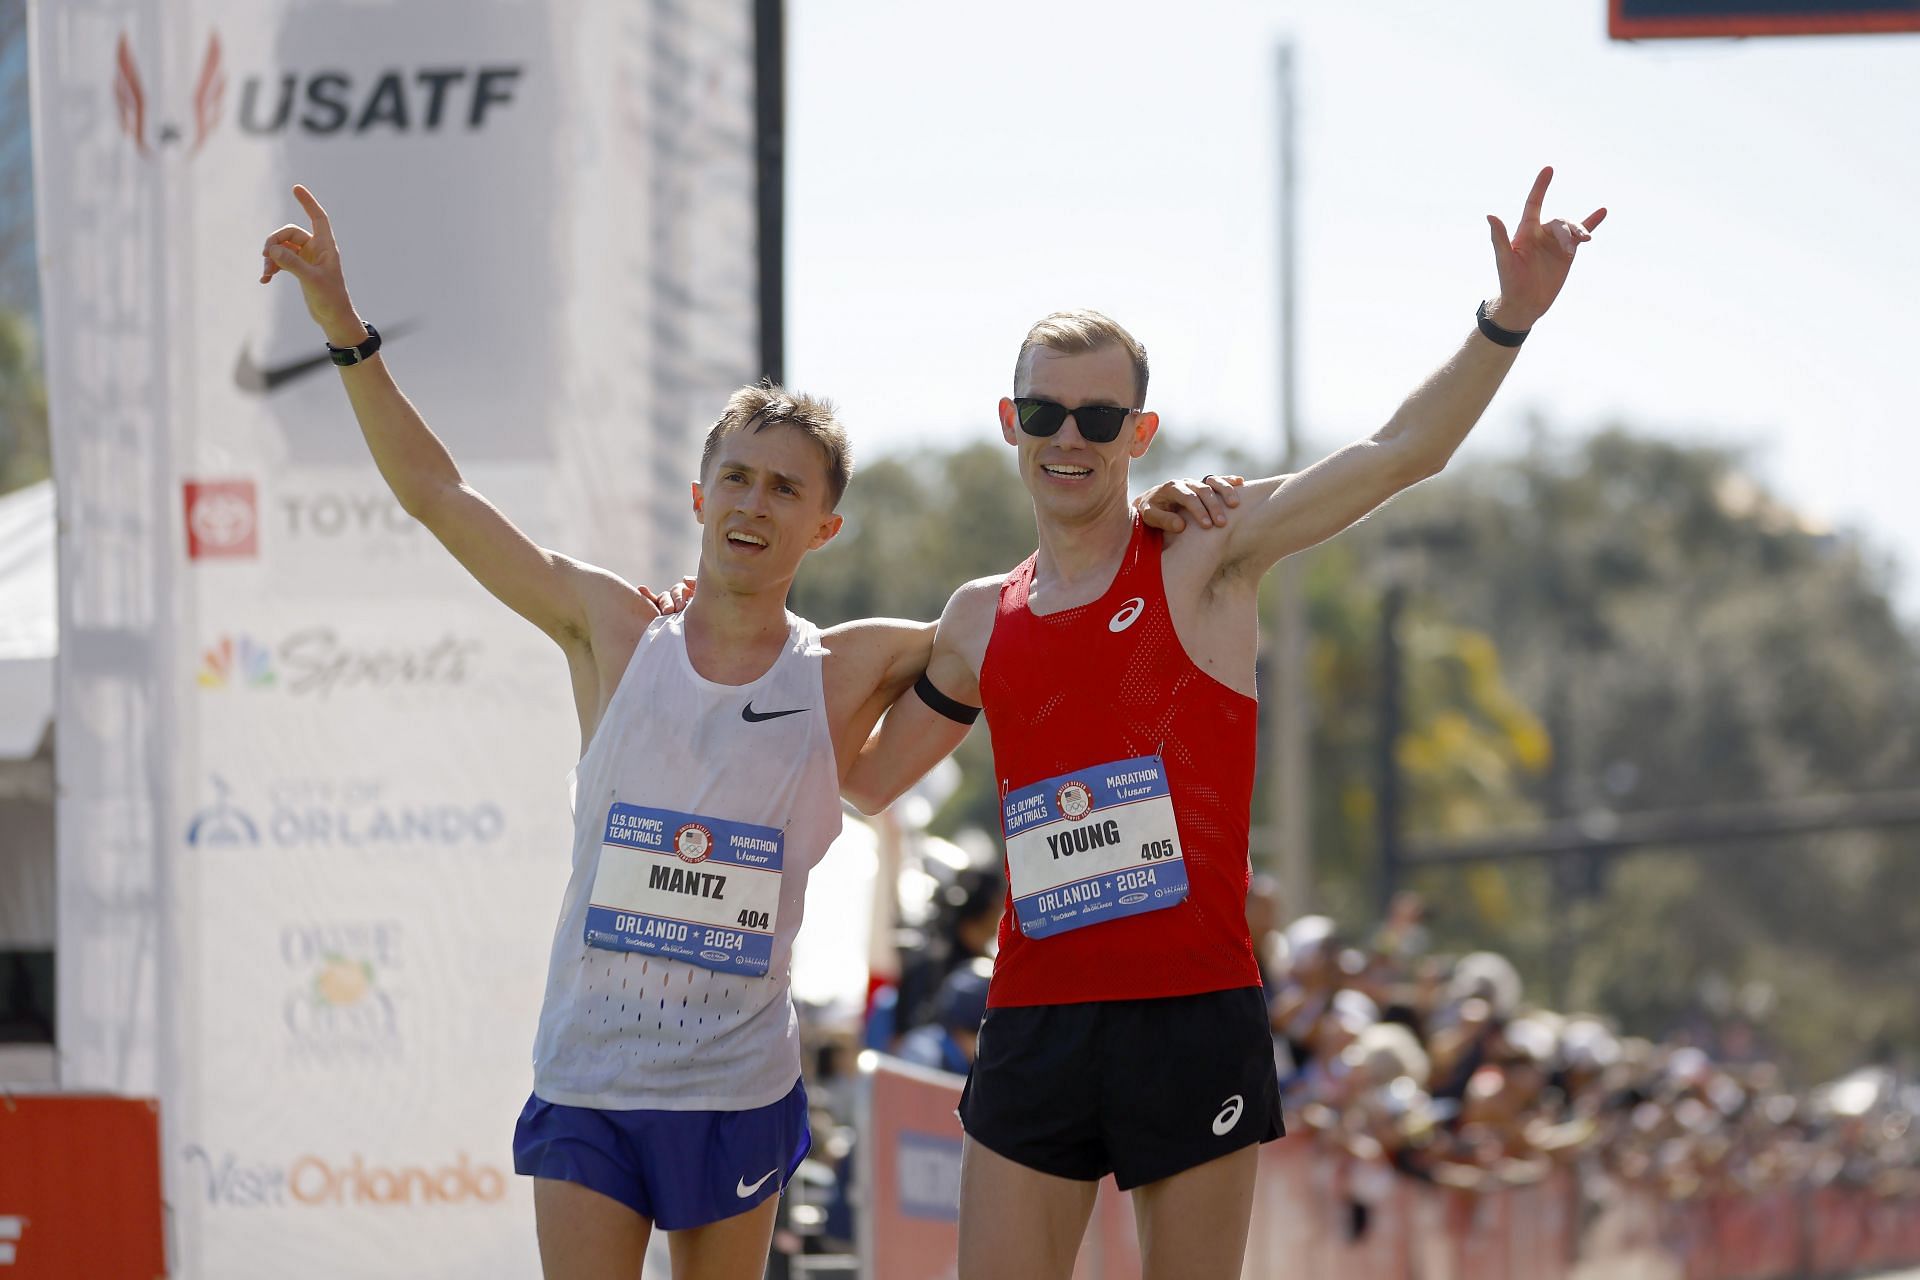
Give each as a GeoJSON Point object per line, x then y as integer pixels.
{"type": "Point", "coordinates": [236, 660]}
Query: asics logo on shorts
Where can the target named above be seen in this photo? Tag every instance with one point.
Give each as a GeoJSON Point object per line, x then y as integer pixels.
{"type": "Point", "coordinates": [1229, 1115]}
{"type": "Point", "coordinates": [745, 1188]}
{"type": "Point", "coordinates": [1129, 614]}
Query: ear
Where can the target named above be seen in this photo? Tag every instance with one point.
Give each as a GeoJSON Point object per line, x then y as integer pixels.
{"type": "Point", "coordinates": [1145, 427]}
{"type": "Point", "coordinates": [825, 533]}
{"type": "Point", "coordinates": [1009, 422]}
{"type": "Point", "coordinates": [699, 504]}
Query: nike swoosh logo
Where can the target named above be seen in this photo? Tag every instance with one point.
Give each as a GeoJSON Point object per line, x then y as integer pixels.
{"type": "Point", "coordinates": [745, 1189]}
{"type": "Point", "coordinates": [751, 716]}
{"type": "Point", "coordinates": [260, 379]}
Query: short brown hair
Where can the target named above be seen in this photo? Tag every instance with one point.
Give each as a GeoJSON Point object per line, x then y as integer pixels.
{"type": "Point", "coordinates": [766, 404]}
{"type": "Point", "coordinates": [1084, 329]}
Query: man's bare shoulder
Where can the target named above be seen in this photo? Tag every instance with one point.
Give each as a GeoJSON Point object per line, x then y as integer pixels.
{"type": "Point", "coordinates": [974, 603]}
{"type": "Point", "coordinates": [616, 611]}
{"type": "Point", "coordinates": [880, 641]}
{"type": "Point", "coordinates": [967, 623]}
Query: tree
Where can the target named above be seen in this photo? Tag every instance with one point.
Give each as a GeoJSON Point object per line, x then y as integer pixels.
{"type": "Point", "coordinates": [1690, 639]}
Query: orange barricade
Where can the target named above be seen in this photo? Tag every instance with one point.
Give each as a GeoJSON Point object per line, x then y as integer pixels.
{"type": "Point", "coordinates": [907, 1202]}
{"type": "Point", "coordinates": [80, 1187]}
{"type": "Point", "coordinates": [1540, 1228]}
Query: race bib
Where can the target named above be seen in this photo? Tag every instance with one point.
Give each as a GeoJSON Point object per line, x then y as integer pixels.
{"type": "Point", "coordinates": [688, 887]}
{"type": "Point", "coordinates": [1093, 845]}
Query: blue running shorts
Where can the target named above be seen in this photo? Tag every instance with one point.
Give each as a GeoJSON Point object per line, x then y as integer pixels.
{"type": "Point", "coordinates": [681, 1169]}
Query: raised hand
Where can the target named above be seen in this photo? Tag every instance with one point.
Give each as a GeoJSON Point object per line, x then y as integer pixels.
{"type": "Point", "coordinates": [312, 257]}
{"type": "Point", "coordinates": [1166, 506]}
{"type": "Point", "coordinates": [1533, 262]}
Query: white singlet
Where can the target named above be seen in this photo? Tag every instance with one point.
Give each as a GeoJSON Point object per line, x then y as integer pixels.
{"type": "Point", "coordinates": [699, 809]}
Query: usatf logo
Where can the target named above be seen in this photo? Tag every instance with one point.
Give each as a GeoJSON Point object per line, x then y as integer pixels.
{"type": "Point", "coordinates": [1076, 800]}
{"type": "Point", "coordinates": [237, 660]}
{"type": "Point", "coordinates": [322, 815]}
{"type": "Point", "coordinates": [692, 843]}
{"type": "Point", "coordinates": [223, 519]}
{"type": "Point", "coordinates": [341, 1006]}
{"type": "Point", "coordinates": [130, 96]}
{"type": "Point", "coordinates": [321, 102]}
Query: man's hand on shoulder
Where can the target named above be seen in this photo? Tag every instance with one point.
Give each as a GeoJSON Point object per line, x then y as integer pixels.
{"type": "Point", "coordinates": [1206, 501]}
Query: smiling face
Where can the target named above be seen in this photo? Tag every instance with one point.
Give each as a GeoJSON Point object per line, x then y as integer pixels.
{"type": "Point", "coordinates": [764, 502]}
{"type": "Point", "coordinates": [1073, 479]}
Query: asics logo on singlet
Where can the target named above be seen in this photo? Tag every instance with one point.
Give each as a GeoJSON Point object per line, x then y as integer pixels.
{"type": "Point", "coordinates": [1128, 615]}
{"type": "Point", "coordinates": [745, 1188]}
{"type": "Point", "coordinates": [751, 716]}
{"type": "Point", "coordinates": [1229, 1115]}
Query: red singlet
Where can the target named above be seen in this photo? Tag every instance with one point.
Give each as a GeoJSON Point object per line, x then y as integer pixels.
{"type": "Point", "coordinates": [1086, 686]}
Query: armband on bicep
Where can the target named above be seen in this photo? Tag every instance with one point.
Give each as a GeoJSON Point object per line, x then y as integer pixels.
{"type": "Point", "coordinates": [953, 710]}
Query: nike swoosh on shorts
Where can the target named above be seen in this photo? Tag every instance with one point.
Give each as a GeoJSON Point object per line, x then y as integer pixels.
{"type": "Point", "coordinates": [745, 1189]}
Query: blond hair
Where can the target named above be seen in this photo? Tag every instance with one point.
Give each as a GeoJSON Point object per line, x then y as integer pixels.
{"type": "Point", "coordinates": [1082, 330]}
{"type": "Point", "coordinates": [766, 404]}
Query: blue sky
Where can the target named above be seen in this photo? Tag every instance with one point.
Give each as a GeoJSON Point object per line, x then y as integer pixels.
{"type": "Point", "coordinates": [956, 173]}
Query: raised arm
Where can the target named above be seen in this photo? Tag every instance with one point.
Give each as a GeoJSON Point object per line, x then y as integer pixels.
{"type": "Point", "coordinates": [1285, 514]}
{"type": "Point", "coordinates": [555, 593]}
{"type": "Point", "coordinates": [915, 736]}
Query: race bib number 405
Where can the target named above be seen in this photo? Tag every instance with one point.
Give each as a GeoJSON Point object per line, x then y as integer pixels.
{"type": "Point", "coordinates": [692, 888]}
{"type": "Point", "coordinates": [1093, 845]}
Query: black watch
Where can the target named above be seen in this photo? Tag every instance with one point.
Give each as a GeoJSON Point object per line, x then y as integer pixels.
{"type": "Point", "coordinates": [354, 355]}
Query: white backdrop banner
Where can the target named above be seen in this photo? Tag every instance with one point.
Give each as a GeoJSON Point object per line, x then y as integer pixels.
{"type": "Point", "coordinates": [313, 817]}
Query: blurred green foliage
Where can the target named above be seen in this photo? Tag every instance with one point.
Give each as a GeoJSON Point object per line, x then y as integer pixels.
{"type": "Point", "coordinates": [24, 455]}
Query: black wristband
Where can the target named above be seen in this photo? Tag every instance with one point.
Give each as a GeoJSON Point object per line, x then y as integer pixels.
{"type": "Point", "coordinates": [1493, 332]}
{"type": "Point", "coordinates": [354, 355]}
{"type": "Point", "coordinates": [948, 707]}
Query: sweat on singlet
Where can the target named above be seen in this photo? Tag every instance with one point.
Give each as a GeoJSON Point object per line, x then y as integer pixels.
{"type": "Point", "coordinates": [1111, 681]}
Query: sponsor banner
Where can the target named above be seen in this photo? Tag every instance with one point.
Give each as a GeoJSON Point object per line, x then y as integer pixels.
{"type": "Point", "coordinates": [346, 981]}
{"type": "Point", "coordinates": [223, 519]}
{"type": "Point", "coordinates": [317, 832]}
{"type": "Point", "coordinates": [318, 661]}
{"type": "Point", "coordinates": [322, 815]}
{"type": "Point", "coordinates": [226, 1180]}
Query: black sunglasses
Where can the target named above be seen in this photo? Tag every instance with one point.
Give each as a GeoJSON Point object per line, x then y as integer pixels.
{"type": "Point", "coordinates": [1098, 423]}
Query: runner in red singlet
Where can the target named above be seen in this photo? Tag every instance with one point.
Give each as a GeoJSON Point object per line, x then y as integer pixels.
{"type": "Point", "coordinates": [1126, 1031]}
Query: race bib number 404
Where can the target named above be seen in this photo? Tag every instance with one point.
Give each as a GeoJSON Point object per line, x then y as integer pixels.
{"type": "Point", "coordinates": [688, 887]}
{"type": "Point", "coordinates": [1093, 845]}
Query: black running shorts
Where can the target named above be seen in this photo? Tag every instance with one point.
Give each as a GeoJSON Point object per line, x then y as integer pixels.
{"type": "Point", "coordinates": [1141, 1089]}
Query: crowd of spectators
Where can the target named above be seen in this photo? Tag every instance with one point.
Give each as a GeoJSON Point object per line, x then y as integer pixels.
{"type": "Point", "coordinates": [1435, 1067]}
